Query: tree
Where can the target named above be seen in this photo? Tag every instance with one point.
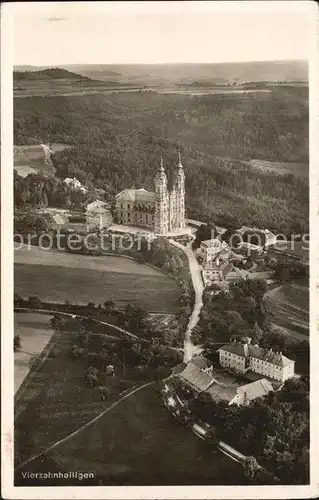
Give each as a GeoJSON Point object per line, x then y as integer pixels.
{"type": "Point", "coordinates": [104, 391]}
{"type": "Point", "coordinates": [18, 300]}
{"type": "Point", "coordinates": [109, 306]}
{"type": "Point", "coordinates": [34, 302]}
{"type": "Point", "coordinates": [57, 322]}
{"type": "Point", "coordinates": [17, 343]}
{"type": "Point", "coordinates": [251, 467]}
{"type": "Point", "coordinates": [92, 379]}
{"type": "Point", "coordinates": [205, 232]}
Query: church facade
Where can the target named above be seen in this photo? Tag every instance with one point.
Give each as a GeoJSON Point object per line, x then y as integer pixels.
{"type": "Point", "coordinates": [161, 210]}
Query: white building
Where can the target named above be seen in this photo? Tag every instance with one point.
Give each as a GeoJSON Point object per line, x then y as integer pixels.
{"type": "Point", "coordinates": [75, 184]}
{"type": "Point", "coordinates": [160, 210]}
{"type": "Point", "coordinates": [98, 215]}
{"type": "Point", "coordinates": [265, 236]}
{"type": "Point", "coordinates": [241, 356]}
{"type": "Point", "coordinates": [210, 250]}
{"type": "Point", "coordinates": [249, 248]}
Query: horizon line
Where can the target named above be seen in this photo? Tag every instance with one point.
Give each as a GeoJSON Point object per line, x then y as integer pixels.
{"type": "Point", "coordinates": [162, 63]}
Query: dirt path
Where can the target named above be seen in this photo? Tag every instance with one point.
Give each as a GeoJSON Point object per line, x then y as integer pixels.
{"type": "Point", "coordinates": [85, 426]}
{"type": "Point", "coordinates": [195, 270]}
{"type": "Point", "coordinates": [52, 312]}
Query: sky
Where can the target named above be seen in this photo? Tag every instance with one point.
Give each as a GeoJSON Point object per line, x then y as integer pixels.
{"type": "Point", "coordinates": [77, 34]}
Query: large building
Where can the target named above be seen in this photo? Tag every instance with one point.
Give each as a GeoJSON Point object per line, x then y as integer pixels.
{"type": "Point", "coordinates": [161, 211]}
{"type": "Point", "coordinates": [240, 356]}
{"type": "Point", "coordinates": [98, 215]}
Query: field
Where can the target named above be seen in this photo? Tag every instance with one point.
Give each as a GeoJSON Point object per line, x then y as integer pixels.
{"type": "Point", "coordinates": [29, 159]}
{"type": "Point", "coordinates": [58, 276]}
{"type": "Point", "coordinates": [35, 333]}
{"type": "Point", "coordinates": [56, 400]}
{"type": "Point", "coordinates": [289, 309]}
{"type": "Point", "coordinates": [136, 442]}
{"type": "Point", "coordinates": [140, 443]}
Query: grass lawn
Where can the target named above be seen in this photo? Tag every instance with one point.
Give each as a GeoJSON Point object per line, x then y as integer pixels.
{"type": "Point", "coordinates": [140, 443]}
{"type": "Point", "coordinates": [57, 399]}
{"type": "Point", "coordinates": [53, 257]}
{"type": "Point", "coordinates": [157, 293]}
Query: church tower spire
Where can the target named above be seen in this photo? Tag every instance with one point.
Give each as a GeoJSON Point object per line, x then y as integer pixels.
{"type": "Point", "coordinates": [161, 206]}
{"type": "Point", "coordinates": [180, 190]}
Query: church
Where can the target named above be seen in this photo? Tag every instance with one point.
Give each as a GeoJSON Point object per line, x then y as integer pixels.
{"type": "Point", "coordinates": [161, 210]}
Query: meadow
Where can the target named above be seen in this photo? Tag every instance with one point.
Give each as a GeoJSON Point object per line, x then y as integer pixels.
{"type": "Point", "coordinates": [57, 277]}
{"type": "Point", "coordinates": [55, 401]}
{"type": "Point", "coordinates": [29, 159]}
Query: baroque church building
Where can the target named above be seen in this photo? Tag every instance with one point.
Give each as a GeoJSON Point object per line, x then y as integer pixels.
{"type": "Point", "coordinates": [160, 211]}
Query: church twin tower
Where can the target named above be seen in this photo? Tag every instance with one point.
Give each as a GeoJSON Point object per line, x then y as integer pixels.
{"type": "Point", "coordinates": [160, 211]}
{"type": "Point", "coordinates": [169, 206]}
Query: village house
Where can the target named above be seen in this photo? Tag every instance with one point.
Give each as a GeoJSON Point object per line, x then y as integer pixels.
{"type": "Point", "coordinates": [75, 184]}
{"type": "Point", "coordinates": [257, 236]}
{"type": "Point", "coordinates": [249, 249]}
{"type": "Point", "coordinates": [242, 395]}
{"type": "Point", "coordinates": [241, 356]}
{"type": "Point", "coordinates": [98, 215]}
{"type": "Point", "coordinates": [223, 274]}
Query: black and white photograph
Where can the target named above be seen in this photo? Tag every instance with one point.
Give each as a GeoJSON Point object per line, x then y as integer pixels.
{"type": "Point", "coordinates": [162, 328]}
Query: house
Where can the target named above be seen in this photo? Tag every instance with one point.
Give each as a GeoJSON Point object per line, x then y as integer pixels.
{"type": "Point", "coordinates": [240, 356]}
{"type": "Point", "coordinates": [196, 375]}
{"type": "Point", "coordinates": [98, 215]}
{"type": "Point", "coordinates": [209, 250]}
{"type": "Point", "coordinates": [249, 249]}
{"type": "Point", "coordinates": [232, 273]}
{"type": "Point", "coordinates": [247, 393]}
{"type": "Point", "coordinates": [242, 395]}
{"type": "Point", "coordinates": [75, 184]}
{"type": "Point", "coordinates": [260, 237]}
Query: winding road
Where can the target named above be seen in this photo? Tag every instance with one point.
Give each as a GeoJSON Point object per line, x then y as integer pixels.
{"type": "Point", "coordinates": [189, 348]}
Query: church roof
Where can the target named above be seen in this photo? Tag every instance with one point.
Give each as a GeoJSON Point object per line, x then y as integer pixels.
{"type": "Point", "coordinates": [136, 195]}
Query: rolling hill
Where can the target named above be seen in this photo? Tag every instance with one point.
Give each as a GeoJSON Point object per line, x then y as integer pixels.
{"type": "Point", "coordinates": [48, 74]}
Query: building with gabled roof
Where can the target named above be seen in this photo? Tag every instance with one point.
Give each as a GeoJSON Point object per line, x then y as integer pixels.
{"type": "Point", "coordinates": [98, 215]}
{"type": "Point", "coordinates": [241, 356]}
{"type": "Point", "coordinates": [196, 374]}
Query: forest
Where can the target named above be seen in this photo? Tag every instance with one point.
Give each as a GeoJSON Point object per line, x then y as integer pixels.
{"type": "Point", "coordinates": [117, 140]}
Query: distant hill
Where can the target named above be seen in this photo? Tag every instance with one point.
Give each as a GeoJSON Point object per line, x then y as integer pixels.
{"type": "Point", "coordinates": [48, 74]}
{"type": "Point", "coordinates": [213, 73]}
{"type": "Point", "coordinates": [179, 73]}
{"type": "Point", "coordinates": [182, 73]}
